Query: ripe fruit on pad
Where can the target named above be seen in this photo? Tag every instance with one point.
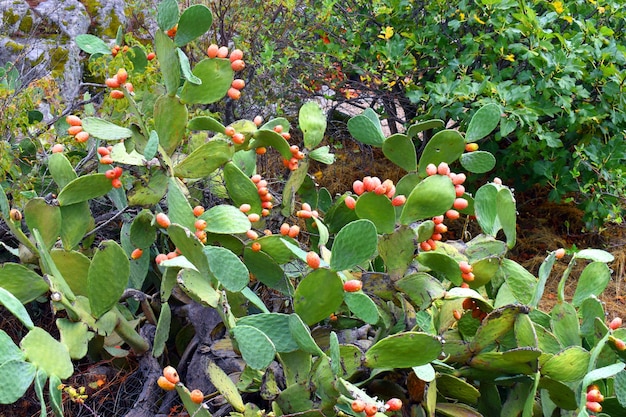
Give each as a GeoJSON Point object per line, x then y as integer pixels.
{"type": "Point", "coordinates": [106, 159]}
{"type": "Point", "coordinates": [170, 373]}
{"type": "Point", "coordinates": [235, 55]}
{"type": "Point", "coordinates": [358, 406]}
{"type": "Point", "coordinates": [112, 82]}
{"type": "Point", "coordinates": [57, 148]}
{"type": "Point", "coordinates": [222, 52]}
{"type": "Point", "coordinates": [350, 202]}
{"type": "Point", "coordinates": [460, 204]}
{"type": "Point", "coordinates": [616, 323]}
{"type": "Point", "coordinates": [398, 200]}
{"type": "Point", "coordinates": [294, 231]}
{"type": "Point", "coordinates": [196, 396]}
{"type": "Point", "coordinates": [136, 254]}
{"type": "Point", "coordinates": [73, 120]}
{"type": "Point", "coordinates": [15, 215]}
{"type": "Point", "coordinates": [452, 214]}
{"type": "Point", "coordinates": [244, 208]}
{"type": "Point", "coordinates": [198, 210]}
{"type": "Point", "coordinates": [238, 83]}
{"type": "Point", "coordinates": [116, 94]}
{"type": "Point", "coordinates": [162, 220]}
{"type": "Point", "coordinates": [431, 169]}
{"type": "Point", "coordinates": [160, 258]}
{"type": "Point", "coordinates": [352, 285]}
{"type": "Point", "coordinates": [593, 406]}
{"type": "Point", "coordinates": [258, 120]}
{"type": "Point", "coordinates": [465, 267]}
{"type": "Point", "coordinates": [284, 229]}
{"type": "Point", "coordinates": [165, 384]}
{"type": "Point", "coordinates": [116, 183]}
{"type": "Point", "coordinates": [256, 247]}
{"type": "Point", "coordinates": [238, 65]}
{"type": "Point", "coordinates": [471, 147]}
{"type": "Point", "coordinates": [371, 410]}
{"type": "Point", "coordinates": [313, 260]}
{"type": "Point", "coordinates": [81, 137]}
{"type": "Point", "coordinates": [394, 404]}
{"type": "Point", "coordinates": [200, 224]}
{"type": "Point", "coordinates": [212, 50]}
{"type": "Point", "coordinates": [234, 93]}
{"type": "Point", "coordinates": [254, 217]}
{"type": "Point", "coordinates": [151, 56]}
{"type": "Point", "coordinates": [559, 253]}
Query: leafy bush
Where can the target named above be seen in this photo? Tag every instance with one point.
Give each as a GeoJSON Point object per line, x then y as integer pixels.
{"type": "Point", "coordinates": [459, 321]}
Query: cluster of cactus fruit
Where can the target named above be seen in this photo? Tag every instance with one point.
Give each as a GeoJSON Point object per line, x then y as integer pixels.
{"type": "Point", "coordinates": [376, 255]}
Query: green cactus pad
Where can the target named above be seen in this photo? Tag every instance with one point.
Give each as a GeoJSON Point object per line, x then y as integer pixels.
{"type": "Point", "coordinates": [521, 282]}
{"type": "Point", "coordinates": [603, 373]}
{"type": "Point", "coordinates": [431, 197]}
{"type": "Point", "coordinates": [15, 378]}
{"type": "Point", "coordinates": [565, 324]}
{"type": "Point", "coordinates": [4, 204]}
{"type": "Point", "coordinates": [495, 325]}
{"type": "Point", "coordinates": [592, 281]}
{"type": "Point", "coordinates": [189, 246]}
{"type": "Point", "coordinates": [265, 137]}
{"type": "Point", "coordinates": [400, 150]}
{"type": "Point", "coordinates": [293, 184]}
{"type": "Point", "coordinates": [170, 122]}
{"type": "Point", "coordinates": [43, 351]}
{"type": "Point", "coordinates": [338, 215]}
{"type": "Point", "coordinates": [75, 222]}
{"type": "Point", "coordinates": [40, 382]}
{"type": "Point", "coordinates": [162, 330]}
{"type": "Point", "coordinates": [274, 246]}
{"type": "Point", "coordinates": [55, 279]}
{"type": "Point", "coordinates": [55, 395]}
{"type": "Point", "coordinates": [198, 287]}
{"type": "Point", "coordinates": [356, 242]}
{"type": "Point", "coordinates": [227, 268]}
{"type": "Point", "coordinates": [104, 129]}
{"type": "Point", "coordinates": [16, 308]}
{"type": "Point", "coordinates": [453, 387]}
{"type": "Point", "coordinates": [362, 306]}
{"type": "Point", "coordinates": [484, 270]}
{"type": "Point", "coordinates": [377, 209]}
{"type": "Point", "coordinates": [318, 295]}
{"type": "Point", "coordinates": [240, 188]}
{"type": "Point", "coordinates": [569, 365]}
{"type": "Point", "coordinates": [312, 122]}
{"type": "Point", "coordinates": [397, 250]}
{"type": "Point", "coordinates": [302, 335]}
{"type": "Point", "coordinates": [9, 350]}
{"type": "Point", "coordinates": [597, 255]}
{"type": "Point", "coordinates": [143, 230]}
{"type": "Point", "coordinates": [366, 128]}
{"type": "Point", "coordinates": [121, 155]}
{"type": "Point", "coordinates": [167, 14]}
{"type": "Point", "coordinates": [416, 128]}
{"type": "Point", "coordinates": [478, 162]}
{"type": "Point", "coordinates": [92, 44]}
{"type": "Point", "coordinates": [560, 394]}
{"type": "Point", "coordinates": [225, 386]}
{"type": "Point", "coordinates": [45, 218]}
{"type": "Point", "coordinates": [196, 410]}
{"type": "Point", "coordinates": [296, 365]}
{"type": "Point", "coordinates": [274, 326]}
{"type": "Point", "coordinates": [84, 188]}
{"type": "Point", "coordinates": [168, 61]}
{"type": "Point", "coordinates": [323, 155]}
{"type": "Point", "coordinates": [107, 277]}
{"type": "Point", "coordinates": [75, 335]}
{"type": "Point", "coordinates": [445, 146]}
{"type": "Point", "coordinates": [403, 350]}
{"type": "Point", "coordinates": [225, 219]}
{"type": "Point", "coordinates": [421, 288]}
{"type": "Point", "coordinates": [442, 266]}
{"type": "Point", "coordinates": [185, 68]}
{"type": "Point", "coordinates": [193, 23]}
{"type": "Point", "coordinates": [507, 214]}
{"type": "Point", "coordinates": [216, 75]}
{"type": "Point", "coordinates": [206, 123]}
{"type": "Point", "coordinates": [589, 310]}
{"type": "Point", "coordinates": [525, 334]}
{"type": "Point", "coordinates": [61, 169]}
{"type": "Point", "coordinates": [256, 348]}
{"type": "Point", "coordinates": [147, 195]}
{"type": "Point", "coordinates": [497, 364]}
{"type": "Point", "coordinates": [75, 266]}
{"type": "Point", "coordinates": [178, 208]}
{"type": "Point", "coordinates": [205, 159]}
{"type": "Point", "coordinates": [267, 270]}
{"type": "Point", "coordinates": [483, 122]}
{"type": "Point", "coordinates": [22, 282]}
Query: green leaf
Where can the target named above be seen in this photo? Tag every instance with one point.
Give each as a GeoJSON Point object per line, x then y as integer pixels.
{"type": "Point", "coordinates": [421, 288]}
{"type": "Point", "coordinates": [225, 386]}
{"type": "Point", "coordinates": [356, 242]}
{"type": "Point", "coordinates": [45, 218]}
{"type": "Point", "coordinates": [323, 155]}
{"type": "Point", "coordinates": [92, 44]}
{"type": "Point", "coordinates": [362, 306]}
{"type": "Point", "coordinates": [484, 121]}
{"type": "Point", "coordinates": [143, 230]}
{"type": "Point", "coordinates": [148, 195]}
{"type": "Point", "coordinates": [84, 188]}
{"type": "Point", "coordinates": [15, 377]}
{"type": "Point", "coordinates": [453, 387]}
{"type": "Point", "coordinates": [565, 324]}
{"type": "Point", "coordinates": [43, 351]}
{"type": "Point", "coordinates": [318, 295]}
{"type": "Point", "coordinates": [312, 122]}
{"type": "Point", "coordinates": [225, 219]}
{"type": "Point", "coordinates": [167, 14]}
{"type": "Point", "coordinates": [193, 23]}
{"type": "Point", "coordinates": [61, 169]}
{"type": "Point", "coordinates": [569, 365]}
{"type": "Point", "coordinates": [107, 277]}
{"type": "Point", "coordinates": [162, 330]}
{"type": "Point", "coordinates": [151, 148]}
{"type": "Point", "coordinates": [205, 159]}
{"type": "Point", "coordinates": [240, 188]}
{"type": "Point", "coordinates": [403, 350]}
{"type": "Point", "coordinates": [206, 123]}
{"type": "Point", "coordinates": [485, 206]}
{"type": "Point", "coordinates": [273, 325]}
{"type": "Point", "coordinates": [366, 131]}
{"type": "Point", "coordinates": [11, 303]}
{"type": "Point", "coordinates": [170, 122]}
{"type": "Point", "coordinates": [198, 287]}
{"type": "Point", "coordinates": [75, 335]}
{"type": "Point", "coordinates": [400, 150]}
{"type": "Point", "coordinates": [216, 75]}
{"type": "Point", "coordinates": [104, 129]}
{"type": "Point", "coordinates": [75, 222]}
{"type": "Point", "coordinates": [445, 146]}
{"type": "Point", "coordinates": [431, 197]}
{"type": "Point", "coordinates": [592, 281]}
{"type": "Point", "coordinates": [168, 58]}
{"type": "Point", "coordinates": [377, 209]}
{"type": "Point", "coordinates": [478, 162]}
{"type": "Point", "coordinates": [227, 268]}
{"type": "Point", "coordinates": [521, 282]}
{"type": "Point", "coordinates": [23, 283]}
{"type": "Point", "coordinates": [256, 348]}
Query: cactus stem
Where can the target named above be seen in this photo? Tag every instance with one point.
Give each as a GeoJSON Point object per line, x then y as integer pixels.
{"type": "Point", "coordinates": [137, 343]}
